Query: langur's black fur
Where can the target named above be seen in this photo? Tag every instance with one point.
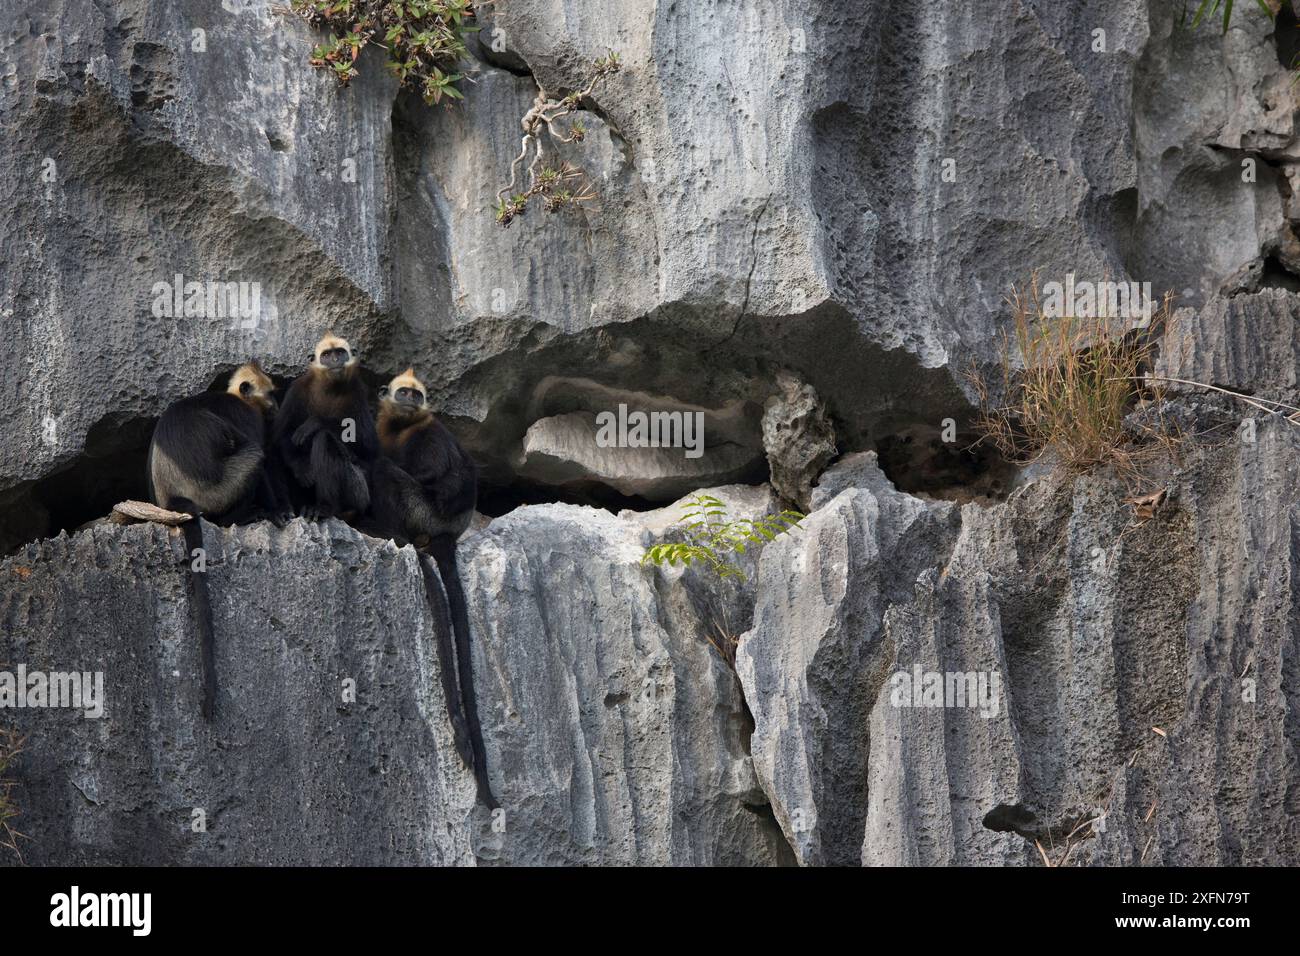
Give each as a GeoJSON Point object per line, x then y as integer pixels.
{"type": "Point", "coordinates": [208, 459]}
{"type": "Point", "coordinates": [424, 491]}
{"type": "Point", "coordinates": [325, 469]}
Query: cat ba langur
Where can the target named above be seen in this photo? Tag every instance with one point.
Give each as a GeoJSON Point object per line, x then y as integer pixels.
{"type": "Point", "coordinates": [324, 438]}
{"type": "Point", "coordinates": [207, 458]}
{"type": "Point", "coordinates": [424, 491]}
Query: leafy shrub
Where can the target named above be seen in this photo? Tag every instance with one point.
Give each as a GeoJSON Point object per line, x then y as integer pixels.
{"type": "Point", "coordinates": [711, 538]}
{"type": "Point", "coordinates": [425, 39]}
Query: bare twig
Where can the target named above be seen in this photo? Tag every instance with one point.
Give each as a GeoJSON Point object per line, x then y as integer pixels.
{"type": "Point", "coordinates": [11, 745]}
{"type": "Point", "coordinates": [1260, 403]}
{"type": "Point", "coordinates": [1043, 854]}
{"type": "Point", "coordinates": [543, 179]}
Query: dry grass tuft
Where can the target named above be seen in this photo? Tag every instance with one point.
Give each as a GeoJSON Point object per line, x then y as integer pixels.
{"type": "Point", "coordinates": [1067, 386]}
{"type": "Point", "coordinates": [725, 642]}
{"type": "Point", "coordinates": [11, 746]}
{"type": "Point", "coordinates": [721, 634]}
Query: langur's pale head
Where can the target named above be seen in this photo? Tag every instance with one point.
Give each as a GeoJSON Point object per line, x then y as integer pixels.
{"type": "Point", "coordinates": [405, 394]}
{"type": "Point", "coordinates": [252, 385]}
{"type": "Point", "coordinates": [333, 354]}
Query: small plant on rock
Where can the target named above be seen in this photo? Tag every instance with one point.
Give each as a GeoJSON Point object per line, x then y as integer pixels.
{"type": "Point", "coordinates": [711, 537]}
{"type": "Point", "coordinates": [559, 185]}
{"type": "Point", "coordinates": [425, 39]}
{"type": "Point", "coordinates": [1067, 386]}
{"type": "Point", "coordinates": [1212, 7]}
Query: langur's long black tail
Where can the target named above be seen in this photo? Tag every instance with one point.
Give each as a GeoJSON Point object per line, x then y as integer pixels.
{"type": "Point", "coordinates": [443, 551]}
{"type": "Point", "coordinates": [434, 591]}
{"type": "Point", "coordinates": [202, 605]}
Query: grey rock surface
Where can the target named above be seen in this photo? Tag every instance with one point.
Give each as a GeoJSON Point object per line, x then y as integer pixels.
{"type": "Point", "coordinates": [858, 469]}
{"type": "Point", "coordinates": [1139, 665]}
{"type": "Point", "coordinates": [846, 191]}
{"type": "Point", "coordinates": [813, 663]}
{"type": "Point", "coordinates": [292, 771]}
{"type": "Point", "coordinates": [772, 183]}
{"type": "Point", "coordinates": [1215, 146]}
{"type": "Point", "coordinates": [1247, 343]}
{"type": "Point", "coordinates": [615, 732]}
{"type": "Point", "coordinates": [798, 437]}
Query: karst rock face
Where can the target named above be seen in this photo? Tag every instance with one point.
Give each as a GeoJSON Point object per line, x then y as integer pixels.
{"type": "Point", "coordinates": [807, 217]}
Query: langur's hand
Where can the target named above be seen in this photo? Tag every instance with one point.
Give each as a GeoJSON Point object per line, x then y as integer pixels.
{"type": "Point", "coordinates": [306, 430]}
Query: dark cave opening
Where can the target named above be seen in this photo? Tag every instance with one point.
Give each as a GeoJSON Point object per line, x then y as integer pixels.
{"type": "Point", "coordinates": [1012, 818]}
{"type": "Point", "coordinates": [111, 468]}
{"type": "Point", "coordinates": [918, 461]}
{"type": "Point", "coordinates": [1278, 276]}
{"type": "Point", "coordinates": [1286, 36]}
{"type": "Point", "coordinates": [495, 500]}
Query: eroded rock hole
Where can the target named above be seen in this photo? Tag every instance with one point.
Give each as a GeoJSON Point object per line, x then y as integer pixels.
{"type": "Point", "coordinates": [597, 444]}
{"type": "Point", "coordinates": [1286, 35]}
{"type": "Point", "coordinates": [1021, 820]}
{"type": "Point", "coordinates": [495, 500]}
{"type": "Point", "coordinates": [1275, 275]}
{"type": "Point", "coordinates": [918, 461]}
{"type": "Point", "coordinates": [1013, 818]}
{"type": "Point", "coordinates": [109, 470]}
{"type": "Point", "coordinates": [152, 71]}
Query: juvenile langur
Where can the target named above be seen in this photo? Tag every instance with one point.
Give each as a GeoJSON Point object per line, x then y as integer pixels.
{"type": "Point", "coordinates": [207, 458]}
{"type": "Point", "coordinates": [324, 437]}
{"type": "Point", "coordinates": [424, 491]}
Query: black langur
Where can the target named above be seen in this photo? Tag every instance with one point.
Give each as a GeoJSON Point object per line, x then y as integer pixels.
{"type": "Point", "coordinates": [424, 491]}
{"type": "Point", "coordinates": [208, 458]}
{"type": "Point", "coordinates": [324, 436]}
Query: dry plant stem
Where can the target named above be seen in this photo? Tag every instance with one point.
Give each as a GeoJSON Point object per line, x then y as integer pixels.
{"type": "Point", "coordinates": [1261, 403]}
{"type": "Point", "coordinates": [11, 745]}
{"type": "Point", "coordinates": [1043, 854]}
{"type": "Point", "coordinates": [544, 111]}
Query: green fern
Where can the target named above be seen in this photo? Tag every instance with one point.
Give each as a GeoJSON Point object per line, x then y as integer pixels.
{"type": "Point", "coordinates": [711, 538]}
{"type": "Point", "coordinates": [1212, 7]}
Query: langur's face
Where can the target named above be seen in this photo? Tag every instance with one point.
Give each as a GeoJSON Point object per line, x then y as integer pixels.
{"type": "Point", "coordinates": [405, 395]}
{"type": "Point", "coordinates": [334, 356]}
{"type": "Point", "coordinates": [253, 385]}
